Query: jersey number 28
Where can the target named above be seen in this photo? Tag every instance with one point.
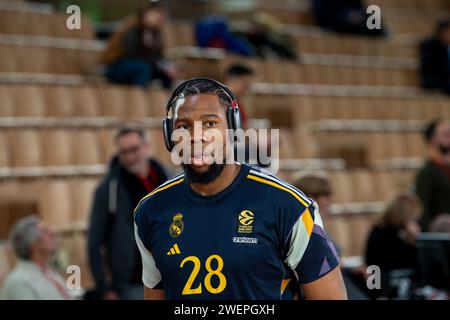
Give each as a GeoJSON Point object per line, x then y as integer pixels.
{"type": "Point", "coordinates": [187, 290]}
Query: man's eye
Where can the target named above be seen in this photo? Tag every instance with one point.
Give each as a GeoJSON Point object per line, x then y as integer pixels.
{"type": "Point", "coordinates": [183, 126]}
{"type": "Point", "coordinates": [210, 124]}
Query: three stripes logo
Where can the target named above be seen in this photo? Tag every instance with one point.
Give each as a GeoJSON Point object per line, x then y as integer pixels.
{"type": "Point", "coordinates": [174, 250]}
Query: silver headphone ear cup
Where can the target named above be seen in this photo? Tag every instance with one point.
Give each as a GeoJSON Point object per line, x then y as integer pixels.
{"type": "Point", "coordinates": [237, 118]}
{"type": "Point", "coordinates": [167, 131]}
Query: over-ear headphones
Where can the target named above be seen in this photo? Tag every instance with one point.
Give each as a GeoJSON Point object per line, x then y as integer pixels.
{"type": "Point", "coordinates": [233, 113]}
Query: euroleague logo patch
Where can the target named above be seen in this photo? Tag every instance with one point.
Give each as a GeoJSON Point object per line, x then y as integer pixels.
{"type": "Point", "coordinates": [177, 226]}
{"type": "Point", "coordinates": [246, 219]}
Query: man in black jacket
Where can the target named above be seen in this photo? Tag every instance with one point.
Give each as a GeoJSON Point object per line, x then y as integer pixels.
{"type": "Point", "coordinates": [111, 246]}
{"type": "Point", "coordinates": [435, 59]}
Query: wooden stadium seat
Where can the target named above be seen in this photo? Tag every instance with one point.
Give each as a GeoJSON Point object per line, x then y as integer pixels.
{"type": "Point", "coordinates": [7, 108]}
{"type": "Point", "coordinates": [85, 101]}
{"type": "Point", "coordinates": [338, 228]}
{"type": "Point", "coordinates": [287, 144]}
{"type": "Point", "coordinates": [341, 185]}
{"type": "Point", "coordinates": [377, 150]}
{"type": "Point", "coordinates": [86, 147]}
{"type": "Point", "coordinates": [58, 147]}
{"type": "Point", "coordinates": [384, 185]}
{"type": "Point", "coordinates": [363, 185]}
{"type": "Point", "coordinates": [42, 61]}
{"type": "Point", "coordinates": [415, 144]}
{"type": "Point", "coordinates": [55, 203]}
{"type": "Point", "coordinates": [158, 148]}
{"type": "Point", "coordinates": [113, 101]}
{"type": "Point", "coordinates": [73, 245]}
{"type": "Point", "coordinates": [304, 108]}
{"type": "Point", "coordinates": [305, 145]}
{"type": "Point", "coordinates": [359, 226]}
{"type": "Point", "coordinates": [8, 58]}
{"type": "Point", "coordinates": [59, 101]}
{"type": "Point", "coordinates": [27, 148]}
{"type": "Point", "coordinates": [395, 144]}
{"type": "Point", "coordinates": [83, 191]}
{"type": "Point", "coordinates": [136, 103]}
{"type": "Point", "coordinates": [157, 102]}
{"type": "Point", "coordinates": [108, 147]}
{"type": "Point", "coordinates": [5, 152]}
{"type": "Point", "coordinates": [29, 101]}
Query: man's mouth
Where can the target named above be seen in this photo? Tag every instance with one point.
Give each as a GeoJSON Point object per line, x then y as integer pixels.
{"type": "Point", "coordinates": [199, 160]}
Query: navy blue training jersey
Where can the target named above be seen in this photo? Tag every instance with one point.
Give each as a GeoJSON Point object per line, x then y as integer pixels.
{"type": "Point", "coordinates": [257, 239]}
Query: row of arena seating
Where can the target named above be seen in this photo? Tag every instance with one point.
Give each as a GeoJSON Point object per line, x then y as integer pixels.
{"type": "Point", "coordinates": [25, 100]}
{"type": "Point", "coordinates": [282, 108]}
{"type": "Point", "coordinates": [61, 60]}
{"type": "Point", "coordinates": [27, 142]}
{"type": "Point", "coordinates": [21, 20]}
{"type": "Point", "coordinates": [35, 147]}
{"type": "Point", "coordinates": [368, 148]}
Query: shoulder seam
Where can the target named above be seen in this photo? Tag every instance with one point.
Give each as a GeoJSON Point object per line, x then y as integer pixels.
{"type": "Point", "coordinates": [257, 176]}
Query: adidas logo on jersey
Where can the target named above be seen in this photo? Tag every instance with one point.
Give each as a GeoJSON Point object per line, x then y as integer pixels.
{"type": "Point", "coordinates": [174, 250]}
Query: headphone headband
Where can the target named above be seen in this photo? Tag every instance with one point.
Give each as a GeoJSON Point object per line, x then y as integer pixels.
{"type": "Point", "coordinates": [179, 89]}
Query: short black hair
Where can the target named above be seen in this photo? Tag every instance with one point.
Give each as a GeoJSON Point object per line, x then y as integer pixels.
{"type": "Point", "coordinates": [122, 131]}
{"type": "Point", "coordinates": [444, 24]}
{"type": "Point", "coordinates": [430, 129]}
{"type": "Point", "coordinates": [205, 87]}
{"type": "Point", "coordinates": [238, 70]}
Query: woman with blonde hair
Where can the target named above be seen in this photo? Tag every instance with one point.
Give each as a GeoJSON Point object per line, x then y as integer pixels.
{"type": "Point", "coordinates": [391, 243]}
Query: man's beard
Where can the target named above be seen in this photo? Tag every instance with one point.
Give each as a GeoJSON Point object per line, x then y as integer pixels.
{"type": "Point", "coordinates": [214, 170]}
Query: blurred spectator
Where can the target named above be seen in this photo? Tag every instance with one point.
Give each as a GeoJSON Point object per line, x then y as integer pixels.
{"type": "Point", "coordinates": [441, 223]}
{"type": "Point", "coordinates": [111, 242]}
{"type": "Point", "coordinates": [347, 16]}
{"type": "Point", "coordinates": [391, 243]}
{"type": "Point", "coordinates": [435, 59]}
{"type": "Point", "coordinates": [268, 41]}
{"type": "Point", "coordinates": [214, 32]}
{"type": "Point", "coordinates": [239, 79]}
{"type": "Point", "coordinates": [318, 187]}
{"type": "Point", "coordinates": [32, 278]}
{"type": "Point", "coordinates": [134, 54]}
{"type": "Point", "coordinates": [432, 183]}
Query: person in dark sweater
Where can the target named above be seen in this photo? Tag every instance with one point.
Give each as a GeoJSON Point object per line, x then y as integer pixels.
{"type": "Point", "coordinates": [435, 59]}
{"type": "Point", "coordinates": [391, 242]}
{"type": "Point", "coordinates": [432, 182]}
{"type": "Point", "coordinates": [345, 16]}
{"type": "Point", "coordinates": [111, 246]}
{"type": "Point", "coordinates": [134, 54]}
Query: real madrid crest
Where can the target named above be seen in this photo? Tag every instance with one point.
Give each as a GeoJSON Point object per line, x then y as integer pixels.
{"type": "Point", "coordinates": [177, 226]}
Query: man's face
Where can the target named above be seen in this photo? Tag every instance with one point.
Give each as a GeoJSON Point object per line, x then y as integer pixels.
{"type": "Point", "coordinates": [154, 18]}
{"type": "Point", "coordinates": [132, 152]}
{"type": "Point", "coordinates": [206, 112]}
{"type": "Point", "coordinates": [241, 86]}
{"type": "Point", "coordinates": [46, 244]}
{"type": "Point", "coordinates": [442, 135]}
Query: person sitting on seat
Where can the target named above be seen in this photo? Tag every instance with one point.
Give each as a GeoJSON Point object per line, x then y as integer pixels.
{"type": "Point", "coordinates": [33, 278]}
{"type": "Point", "coordinates": [134, 54]}
{"type": "Point", "coordinates": [435, 59]}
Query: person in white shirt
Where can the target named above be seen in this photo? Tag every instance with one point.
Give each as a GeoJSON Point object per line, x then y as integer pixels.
{"type": "Point", "coordinates": [32, 278]}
